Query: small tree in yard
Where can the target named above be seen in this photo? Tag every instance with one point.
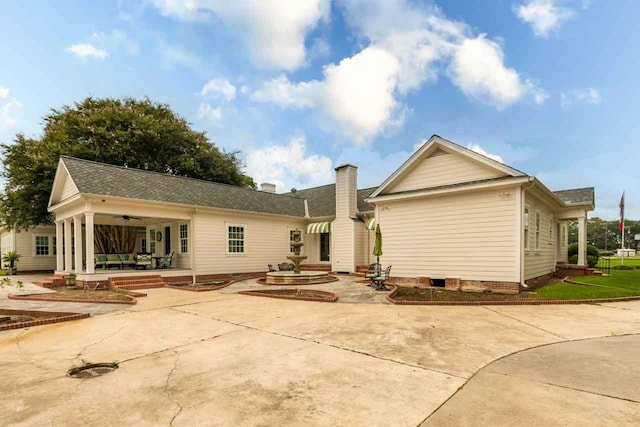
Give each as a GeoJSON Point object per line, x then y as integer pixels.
{"type": "Point", "coordinates": [127, 132]}
{"type": "Point", "coordinates": [10, 258]}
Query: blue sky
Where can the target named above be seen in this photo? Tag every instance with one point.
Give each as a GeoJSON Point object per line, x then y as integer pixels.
{"type": "Point", "coordinates": [299, 87]}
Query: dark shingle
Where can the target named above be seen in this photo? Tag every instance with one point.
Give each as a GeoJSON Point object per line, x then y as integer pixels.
{"type": "Point", "coordinates": [576, 195]}
{"type": "Point", "coordinates": [322, 200]}
{"type": "Point", "coordinates": [109, 180]}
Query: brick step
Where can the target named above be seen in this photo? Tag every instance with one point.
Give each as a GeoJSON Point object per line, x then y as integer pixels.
{"type": "Point", "coordinates": [127, 278]}
{"type": "Point", "coordinates": [316, 267]}
{"type": "Point", "coordinates": [141, 286]}
{"type": "Point", "coordinates": [135, 281]}
{"type": "Point", "coordinates": [362, 268]}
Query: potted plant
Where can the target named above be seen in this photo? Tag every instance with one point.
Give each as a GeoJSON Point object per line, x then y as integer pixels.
{"type": "Point", "coordinates": [11, 258]}
{"type": "Point", "coordinates": [70, 279]}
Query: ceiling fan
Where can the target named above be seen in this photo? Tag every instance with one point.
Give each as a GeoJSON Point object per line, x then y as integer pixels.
{"type": "Point", "coordinates": [127, 217]}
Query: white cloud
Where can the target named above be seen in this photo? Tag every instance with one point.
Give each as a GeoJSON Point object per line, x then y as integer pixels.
{"type": "Point", "coordinates": [282, 92]}
{"type": "Point", "coordinates": [7, 113]}
{"type": "Point", "coordinates": [116, 40]}
{"type": "Point", "coordinates": [404, 47]}
{"type": "Point", "coordinates": [219, 87]}
{"type": "Point", "coordinates": [212, 116]}
{"type": "Point", "coordinates": [478, 70]}
{"type": "Point", "coordinates": [274, 30]}
{"type": "Point", "coordinates": [373, 168]}
{"type": "Point", "coordinates": [4, 92]}
{"type": "Point", "coordinates": [179, 55]}
{"type": "Point", "coordinates": [86, 50]}
{"type": "Point", "coordinates": [586, 96]}
{"type": "Point", "coordinates": [544, 16]}
{"type": "Point", "coordinates": [288, 165]}
{"type": "Point", "coordinates": [480, 150]}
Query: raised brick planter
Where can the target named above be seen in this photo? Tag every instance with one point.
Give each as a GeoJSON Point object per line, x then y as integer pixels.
{"type": "Point", "coordinates": [515, 302]}
{"type": "Point", "coordinates": [130, 299]}
{"type": "Point", "coordinates": [333, 297]}
{"type": "Point", "coordinates": [329, 279]}
{"type": "Point", "coordinates": [63, 317]}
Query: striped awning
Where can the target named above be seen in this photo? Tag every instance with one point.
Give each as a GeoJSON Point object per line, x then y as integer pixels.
{"type": "Point", "coordinates": [318, 227]}
{"type": "Point", "coordinates": [371, 223]}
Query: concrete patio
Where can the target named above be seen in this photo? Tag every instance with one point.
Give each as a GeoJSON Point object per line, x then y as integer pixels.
{"type": "Point", "coordinates": [219, 358]}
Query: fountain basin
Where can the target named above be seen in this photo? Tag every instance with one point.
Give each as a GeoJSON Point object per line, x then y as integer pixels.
{"type": "Point", "coordinates": [292, 278]}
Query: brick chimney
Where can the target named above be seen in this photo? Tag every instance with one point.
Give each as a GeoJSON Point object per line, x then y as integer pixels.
{"type": "Point", "coordinates": [266, 187]}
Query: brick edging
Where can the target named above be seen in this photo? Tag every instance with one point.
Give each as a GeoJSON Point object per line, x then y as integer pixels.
{"type": "Point", "coordinates": [64, 317]}
{"type": "Point", "coordinates": [391, 294]}
{"type": "Point", "coordinates": [131, 301]}
{"type": "Point", "coordinates": [231, 282]}
{"type": "Point", "coordinates": [258, 293]}
{"type": "Point", "coordinates": [331, 279]}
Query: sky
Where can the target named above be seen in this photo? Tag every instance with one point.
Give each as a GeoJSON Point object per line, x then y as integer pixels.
{"type": "Point", "coordinates": [300, 86]}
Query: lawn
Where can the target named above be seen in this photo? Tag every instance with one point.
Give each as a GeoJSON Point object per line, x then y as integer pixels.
{"type": "Point", "coordinates": [633, 262]}
{"type": "Point", "coordinates": [627, 279]}
{"type": "Point", "coordinates": [570, 291]}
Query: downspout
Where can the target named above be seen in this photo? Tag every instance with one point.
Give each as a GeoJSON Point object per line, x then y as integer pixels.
{"type": "Point", "coordinates": [523, 189]}
{"type": "Point", "coordinates": [193, 246]}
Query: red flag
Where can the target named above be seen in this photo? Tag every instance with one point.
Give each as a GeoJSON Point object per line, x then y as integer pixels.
{"type": "Point", "coordinates": [621, 206]}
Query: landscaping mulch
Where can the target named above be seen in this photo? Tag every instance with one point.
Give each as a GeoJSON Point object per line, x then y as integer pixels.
{"type": "Point", "coordinates": [63, 294]}
{"type": "Point", "coordinates": [202, 287]}
{"type": "Point", "coordinates": [405, 293]}
{"type": "Point", "coordinates": [295, 294]}
{"type": "Point", "coordinates": [16, 319]}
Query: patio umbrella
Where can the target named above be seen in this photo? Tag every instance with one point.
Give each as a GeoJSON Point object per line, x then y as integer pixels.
{"type": "Point", "coordinates": [377, 247]}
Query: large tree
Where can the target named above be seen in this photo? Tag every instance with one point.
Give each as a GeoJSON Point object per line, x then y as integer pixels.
{"type": "Point", "coordinates": [127, 132]}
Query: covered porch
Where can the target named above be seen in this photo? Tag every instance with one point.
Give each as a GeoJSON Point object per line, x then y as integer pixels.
{"type": "Point", "coordinates": [159, 240]}
{"type": "Point", "coordinates": [564, 217]}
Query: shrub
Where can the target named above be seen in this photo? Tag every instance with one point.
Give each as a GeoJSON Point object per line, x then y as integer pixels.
{"type": "Point", "coordinates": [607, 253]}
{"type": "Point", "coordinates": [592, 254]}
{"type": "Point", "coordinates": [622, 267]}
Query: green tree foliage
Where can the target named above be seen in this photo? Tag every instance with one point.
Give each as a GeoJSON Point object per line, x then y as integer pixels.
{"type": "Point", "coordinates": [127, 132]}
{"type": "Point", "coordinates": [598, 230]}
{"type": "Point", "coordinates": [592, 254]}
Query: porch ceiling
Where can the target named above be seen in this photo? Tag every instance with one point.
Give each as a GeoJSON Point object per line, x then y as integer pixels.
{"type": "Point", "coordinates": [134, 221]}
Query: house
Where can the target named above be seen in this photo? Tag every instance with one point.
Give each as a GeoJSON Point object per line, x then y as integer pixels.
{"type": "Point", "coordinates": [36, 247]}
{"type": "Point", "coordinates": [448, 214]}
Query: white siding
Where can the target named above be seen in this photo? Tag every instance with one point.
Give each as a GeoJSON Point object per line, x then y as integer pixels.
{"type": "Point", "coordinates": [471, 236]}
{"type": "Point", "coordinates": [25, 246]}
{"type": "Point", "coordinates": [361, 249]}
{"type": "Point", "coordinates": [68, 188]}
{"type": "Point", "coordinates": [541, 260]}
{"type": "Point", "coordinates": [266, 242]}
{"type": "Point", "coordinates": [179, 260]}
{"type": "Point", "coordinates": [442, 168]}
{"type": "Point", "coordinates": [343, 234]}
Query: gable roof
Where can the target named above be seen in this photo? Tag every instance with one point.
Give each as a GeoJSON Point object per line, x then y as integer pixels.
{"type": "Point", "coordinates": [118, 181]}
{"type": "Point", "coordinates": [577, 196]}
{"type": "Point", "coordinates": [438, 143]}
{"type": "Point", "coordinates": [322, 200]}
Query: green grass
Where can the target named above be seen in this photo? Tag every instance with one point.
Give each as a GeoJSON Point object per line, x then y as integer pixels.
{"type": "Point", "coordinates": [633, 262]}
{"type": "Point", "coordinates": [570, 291]}
{"type": "Point", "coordinates": [627, 279]}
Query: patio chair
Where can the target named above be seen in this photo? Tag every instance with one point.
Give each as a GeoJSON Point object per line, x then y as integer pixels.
{"type": "Point", "coordinates": [144, 260]}
{"type": "Point", "coordinates": [379, 280]}
{"type": "Point", "coordinates": [374, 270]}
{"type": "Point", "coordinates": [165, 261]}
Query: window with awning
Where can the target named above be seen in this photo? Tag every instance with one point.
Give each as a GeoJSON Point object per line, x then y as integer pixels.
{"type": "Point", "coordinates": [318, 227]}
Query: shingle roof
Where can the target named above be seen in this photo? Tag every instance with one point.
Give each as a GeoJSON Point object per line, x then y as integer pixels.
{"type": "Point", "coordinates": [576, 195]}
{"type": "Point", "coordinates": [322, 200]}
{"type": "Point", "coordinates": [109, 180]}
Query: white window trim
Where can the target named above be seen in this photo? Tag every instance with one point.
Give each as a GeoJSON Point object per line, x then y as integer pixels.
{"type": "Point", "coordinates": [151, 243]}
{"type": "Point", "coordinates": [526, 241]}
{"type": "Point", "coordinates": [244, 239]}
{"type": "Point", "coordinates": [35, 250]}
{"type": "Point", "coordinates": [537, 228]}
{"type": "Point", "coordinates": [180, 238]}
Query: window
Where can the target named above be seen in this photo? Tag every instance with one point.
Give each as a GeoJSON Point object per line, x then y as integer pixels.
{"type": "Point", "coordinates": [291, 237]}
{"type": "Point", "coordinates": [54, 248]}
{"type": "Point", "coordinates": [551, 225]}
{"type": "Point", "coordinates": [143, 246]}
{"type": "Point", "coordinates": [184, 238]}
{"type": "Point", "coordinates": [42, 245]}
{"type": "Point", "coordinates": [236, 239]}
{"type": "Point", "coordinates": [152, 241]}
{"type": "Point", "coordinates": [526, 227]}
{"type": "Point", "coordinates": [537, 230]}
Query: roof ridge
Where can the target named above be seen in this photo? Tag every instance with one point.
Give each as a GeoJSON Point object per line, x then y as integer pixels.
{"type": "Point", "coordinates": [177, 176]}
{"type": "Point", "coordinates": [574, 189]}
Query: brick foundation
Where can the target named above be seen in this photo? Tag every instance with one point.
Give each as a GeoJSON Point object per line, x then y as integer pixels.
{"type": "Point", "coordinates": [536, 282]}
{"type": "Point", "coordinates": [456, 284]}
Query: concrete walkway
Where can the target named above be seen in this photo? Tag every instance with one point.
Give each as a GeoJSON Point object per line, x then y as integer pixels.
{"type": "Point", "coordinates": [219, 358]}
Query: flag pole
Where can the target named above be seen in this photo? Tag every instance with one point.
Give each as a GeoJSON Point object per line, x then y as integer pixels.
{"type": "Point", "coordinates": [622, 227]}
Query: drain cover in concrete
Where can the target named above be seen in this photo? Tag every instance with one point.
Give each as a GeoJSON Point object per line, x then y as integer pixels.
{"type": "Point", "coordinates": [92, 370]}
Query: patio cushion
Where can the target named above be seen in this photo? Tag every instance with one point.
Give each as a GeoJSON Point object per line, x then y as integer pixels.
{"type": "Point", "coordinates": [101, 258]}
{"type": "Point", "coordinates": [124, 257]}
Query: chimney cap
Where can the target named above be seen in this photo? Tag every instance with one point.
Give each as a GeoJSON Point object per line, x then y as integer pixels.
{"type": "Point", "coordinates": [267, 187]}
{"type": "Point", "coordinates": [346, 165]}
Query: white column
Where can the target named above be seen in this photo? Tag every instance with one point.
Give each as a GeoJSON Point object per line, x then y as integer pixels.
{"type": "Point", "coordinates": [67, 245]}
{"type": "Point", "coordinates": [59, 246]}
{"type": "Point", "coordinates": [77, 235]}
{"type": "Point", "coordinates": [88, 219]}
{"type": "Point", "coordinates": [582, 241]}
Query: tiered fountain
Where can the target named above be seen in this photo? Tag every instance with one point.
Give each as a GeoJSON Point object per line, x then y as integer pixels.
{"type": "Point", "coordinates": [296, 277]}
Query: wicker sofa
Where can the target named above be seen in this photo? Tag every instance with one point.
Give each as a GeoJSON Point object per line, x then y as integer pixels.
{"type": "Point", "coordinates": [106, 261]}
